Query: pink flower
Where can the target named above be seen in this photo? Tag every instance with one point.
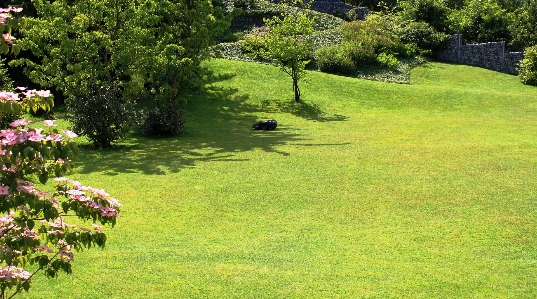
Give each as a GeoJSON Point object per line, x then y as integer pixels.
{"type": "Point", "coordinates": [108, 212]}
{"type": "Point", "coordinates": [54, 137]}
{"type": "Point", "coordinates": [4, 190]}
{"type": "Point", "coordinates": [20, 122]}
{"type": "Point", "coordinates": [34, 136]}
{"type": "Point", "coordinates": [49, 123]}
{"type": "Point", "coordinates": [100, 193]}
{"type": "Point", "coordinates": [69, 134]}
{"type": "Point", "coordinates": [54, 201]}
{"type": "Point", "coordinates": [114, 202]}
{"type": "Point", "coordinates": [45, 248]}
{"type": "Point", "coordinates": [8, 96]}
{"type": "Point", "coordinates": [98, 228]}
{"type": "Point", "coordinates": [11, 272]}
{"type": "Point", "coordinates": [8, 38]}
{"type": "Point", "coordinates": [43, 93]}
{"type": "Point", "coordinates": [7, 219]}
{"type": "Point", "coordinates": [66, 255]}
{"type": "Point", "coordinates": [75, 194]}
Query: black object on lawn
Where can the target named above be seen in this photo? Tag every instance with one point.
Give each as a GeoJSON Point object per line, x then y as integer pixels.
{"type": "Point", "coordinates": [269, 124]}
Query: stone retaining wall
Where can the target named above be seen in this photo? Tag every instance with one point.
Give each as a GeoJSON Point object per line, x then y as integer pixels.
{"type": "Point", "coordinates": [487, 55]}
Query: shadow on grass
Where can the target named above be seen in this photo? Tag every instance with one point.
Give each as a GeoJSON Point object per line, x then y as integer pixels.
{"type": "Point", "coordinates": [309, 111]}
{"type": "Point", "coordinates": [219, 125]}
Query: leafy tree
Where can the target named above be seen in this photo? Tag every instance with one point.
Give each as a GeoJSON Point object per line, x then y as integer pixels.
{"type": "Point", "coordinates": [286, 44]}
{"type": "Point", "coordinates": [126, 46]}
{"type": "Point", "coordinates": [84, 45]}
{"type": "Point", "coordinates": [523, 26]}
{"type": "Point", "coordinates": [177, 37]}
{"type": "Point", "coordinates": [432, 12]}
{"type": "Point", "coordinates": [481, 21]}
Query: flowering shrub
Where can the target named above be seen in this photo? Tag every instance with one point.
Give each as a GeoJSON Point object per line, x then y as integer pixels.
{"type": "Point", "coordinates": [33, 230]}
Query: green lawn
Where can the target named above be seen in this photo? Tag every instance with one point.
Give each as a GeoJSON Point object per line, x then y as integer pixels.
{"type": "Point", "coordinates": [365, 190]}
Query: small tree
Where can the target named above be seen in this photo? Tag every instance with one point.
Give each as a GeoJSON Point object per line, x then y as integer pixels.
{"type": "Point", "coordinates": [528, 67]}
{"type": "Point", "coordinates": [286, 44]}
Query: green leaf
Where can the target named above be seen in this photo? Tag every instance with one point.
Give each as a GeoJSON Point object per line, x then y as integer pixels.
{"type": "Point", "coordinates": [56, 153]}
{"type": "Point", "coordinates": [30, 223]}
{"type": "Point", "coordinates": [43, 178]}
{"type": "Point", "coordinates": [15, 49]}
{"type": "Point", "coordinates": [13, 22]}
{"type": "Point", "coordinates": [43, 261]}
{"type": "Point", "coordinates": [65, 207]}
{"type": "Point", "coordinates": [26, 285]}
{"type": "Point", "coordinates": [73, 146]}
{"type": "Point", "coordinates": [29, 153]}
{"type": "Point", "coordinates": [4, 48]}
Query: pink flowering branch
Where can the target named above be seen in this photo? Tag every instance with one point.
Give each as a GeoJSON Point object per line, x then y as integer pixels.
{"type": "Point", "coordinates": [33, 229]}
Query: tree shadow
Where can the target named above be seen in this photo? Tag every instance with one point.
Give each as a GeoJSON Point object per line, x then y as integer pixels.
{"type": "Point", "coordinates": [219, 126]}
{"type": "Point", "coordinates": [309, 111]}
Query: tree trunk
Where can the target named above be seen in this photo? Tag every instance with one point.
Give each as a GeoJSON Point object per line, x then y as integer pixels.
{"type": "Point", "coordinates": [296, 89]}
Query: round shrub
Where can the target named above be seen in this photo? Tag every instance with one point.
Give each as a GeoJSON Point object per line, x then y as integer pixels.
{"type": "Point", "coordinates": [164, 121]}
{"type": "Point", "coordinates": [334, 59]}
{"type": "Point", "coordinates": [101, 114]}
{"type": "Point", "coordinates": [361, 53]}
{"type": "Point", "coordinates": [528, 67]}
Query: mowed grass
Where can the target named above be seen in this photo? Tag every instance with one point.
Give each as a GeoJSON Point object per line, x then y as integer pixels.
{"type": "Point", "coordinates": [365, 190]}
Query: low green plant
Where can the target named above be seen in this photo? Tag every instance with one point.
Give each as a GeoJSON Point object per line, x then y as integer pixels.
{"type": "Point", "coordinates": [335, 59]}
{"type": "Point", "coordinates": [387, 60]}
{"type": "Point", "coordinates": [372, 34]}
{"type": "Point", "coordinates": [528, 67]}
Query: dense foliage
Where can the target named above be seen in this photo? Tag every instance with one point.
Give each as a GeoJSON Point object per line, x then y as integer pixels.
{"type": "Point", "coordinates": [482, 21]}
{"type": "Point", "coordinates": [363, 44]}
{"type": "Point", "coordinates": [148, 50]}
{"type": "Point", "coordinates": [528, 67]}
{"type": "Point", "coordinates": [523, 25]}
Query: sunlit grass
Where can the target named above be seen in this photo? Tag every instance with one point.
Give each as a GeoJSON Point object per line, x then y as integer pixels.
{"type": "Point", "coordinates": [365, 190]}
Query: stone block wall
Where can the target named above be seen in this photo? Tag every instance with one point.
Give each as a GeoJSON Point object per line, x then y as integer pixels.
{"type": "Point", "coordinates": [486, 55]}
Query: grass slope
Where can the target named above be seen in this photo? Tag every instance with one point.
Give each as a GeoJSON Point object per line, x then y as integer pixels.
{"type": "Point", "coordinates": [365, 190]}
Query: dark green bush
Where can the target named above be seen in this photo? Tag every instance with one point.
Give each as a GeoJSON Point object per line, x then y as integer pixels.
{"type": "Point", "coordinates": [375, 5]}
{"type": "Point", "coordinates": [335, 59]}
{"type": "Point", "coordinates": [432, 12]}
{"type": "Point", "coordinates": [523, 26]}
{"type": "Point", "coordinates": [164, 121]}
{"type": "Point", "coordinates": [422, 35]}
{"type": "Point", "coordinates": [481, 21]}
{"type": "Point", "coordinates": [528, 67]}
{"type": "Point", "coordinates": [101, 114]}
